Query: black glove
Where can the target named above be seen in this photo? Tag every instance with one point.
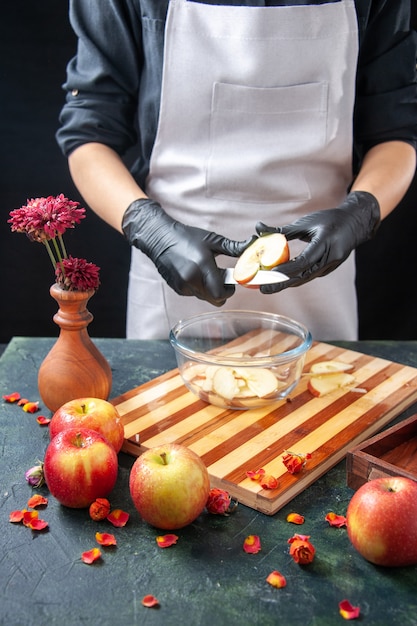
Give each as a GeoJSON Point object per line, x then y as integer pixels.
{"type": "Point", "coordinates": [332, 235]}
{"type": "Point", "coordinates": [183, 255]}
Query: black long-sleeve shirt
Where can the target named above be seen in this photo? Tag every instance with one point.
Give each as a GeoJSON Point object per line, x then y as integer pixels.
{"type": "Point", "coordinates": [113, 83]}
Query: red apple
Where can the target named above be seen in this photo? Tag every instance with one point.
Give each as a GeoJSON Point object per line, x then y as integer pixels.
{"type": "Point", "coordinates": [169, 485]}
{"type": "Point", "coordinates": [382, 521]}
{"type": "Point", "coordinates": [264, 253]}
{"type": "Point", "coordinates": [80, 465]}
{"type": "Point", "coordinates": [93, 413]}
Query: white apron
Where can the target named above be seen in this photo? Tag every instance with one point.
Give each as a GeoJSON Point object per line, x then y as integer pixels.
{"type": "Point", "coordinates": [255, 124]}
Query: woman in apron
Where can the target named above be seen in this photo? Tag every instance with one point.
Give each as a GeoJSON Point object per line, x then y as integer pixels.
{"type": "Point", "coordinates": [247, 117]}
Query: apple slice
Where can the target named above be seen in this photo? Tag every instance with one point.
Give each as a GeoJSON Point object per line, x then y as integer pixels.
{"type": "Point", "coordinates": [330, 367]}
{"type": "Point", "coordinates": [260, 381]}
{"type": "Point", "coordinates": [322, 385]}
{"type": "Point", "coordinates": [265, 252]}
{"type": "Point", "coordinates": [225, 383]}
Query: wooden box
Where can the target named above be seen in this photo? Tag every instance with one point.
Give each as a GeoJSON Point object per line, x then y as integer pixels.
{"type": "Point", "coordinates": [391, 453]}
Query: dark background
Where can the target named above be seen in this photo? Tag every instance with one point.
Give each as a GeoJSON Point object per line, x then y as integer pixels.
{"type": "Point", "coordinates": [36, 42]}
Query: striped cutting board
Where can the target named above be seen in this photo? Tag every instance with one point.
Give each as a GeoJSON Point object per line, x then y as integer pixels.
{"type": "Point", "coordinates": [233, 442]}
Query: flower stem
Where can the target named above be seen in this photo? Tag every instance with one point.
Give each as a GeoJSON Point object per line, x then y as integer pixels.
{"type": "Point", "coordinates": [50, 253]}
{"type": "Point", "coordinates": [64, 250]}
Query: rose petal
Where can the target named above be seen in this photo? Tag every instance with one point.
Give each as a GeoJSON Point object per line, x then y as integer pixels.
{"type": "Point", "coordinates": [37, 524]}
{"type": "Point", "coordinates": [31, 407]}
{"type": "Point", "coordinates": [106, 539]}
{"type": "Point", "coordinates": [347, 611]}
{"type": "Point", "coordinates": [22, 401]}
{"type": "Point", "coordinates": [37, 500]}
{"type": "Point", "coordinates": [165, 541]}
{"type": "Point", "coordinates": [276, 580]}
{"type": "Point", "coordinates": [150, 601]}
{"type": "Point", "coordinates": [16, 516]}
{"type": "Point", "coordinates": [269, 482]}
{"type": "Point", "coordinates": [29, 516]}
{"type": "Point", "coordinates": [118, 518]}
{"type": "Point", "coordinates": [295, 518]}
{"type": "Point", "coordinates": [12, 397]}
{"type": "Point", "coordinates": [255, 475]}
{"type": "Point", "coordinates": [335, 520]}
{"type": "Point", "coordinates": [90, 556]}
{"type": "Point", "coordinates": [252, 544]}
{"type": "Point", "coordinates": [42, 420]}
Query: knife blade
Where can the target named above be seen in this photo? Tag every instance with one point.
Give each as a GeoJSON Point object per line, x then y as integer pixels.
{"type": "Point", "coordinates": [262, 277]}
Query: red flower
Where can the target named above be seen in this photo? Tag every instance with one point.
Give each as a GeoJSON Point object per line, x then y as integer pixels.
{"type": "Point", "coordinates": [219, 502]}
{"type": "Point", "coordinates": [295, 462]}
{"type": "Point", "coordinates": [46, 218]}
{"type": "Point", "coordinates": [301, 550]}
{"type": "Point", "coordinates": [75, 274]}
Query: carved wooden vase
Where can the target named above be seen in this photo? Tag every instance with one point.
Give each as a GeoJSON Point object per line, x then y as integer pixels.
{"type": "Point", "coordinates": [74, 368]}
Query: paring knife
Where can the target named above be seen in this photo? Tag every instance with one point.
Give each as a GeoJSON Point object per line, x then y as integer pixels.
{"type": "Point", "coordinates": [262, 277]}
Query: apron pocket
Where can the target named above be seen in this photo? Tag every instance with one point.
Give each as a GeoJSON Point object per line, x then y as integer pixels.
{"type": "Point", "coordinates": [260, 139]}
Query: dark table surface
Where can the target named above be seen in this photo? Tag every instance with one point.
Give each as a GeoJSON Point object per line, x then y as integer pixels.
{"type": "Point", "coordinates": [206, 578]}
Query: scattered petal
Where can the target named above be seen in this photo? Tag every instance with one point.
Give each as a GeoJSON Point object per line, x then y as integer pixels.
{"type": "Point", "coordinates": [295, 462]}
{"type": "Point", "coordinates": [29, 516]}
{"type": "Point", "coordinates": [42, 420]}
{"type": "Point", "coordinates": [99, 509]}
{"type": "Point", "coordinates": [118, 518]}
{"type": "Point", "coordinates": [295, 518]}
{"type": "Point", "coordinates": [150, 601]}
{"type": "Point", "coordinates": [335, 520]}
{"type": "Point", "coordinates": [12, 397]}
{"type": "Point", "coordinates": [22, 401]}
{"type": "Point", "coordinates": [31, 520]}
{"type": "Point", "coordinates": [106, 539]}
{"type": "Point", "coordinates": [31, 407]}
{"type": "Point", "coordinates": [165, 541]}
{"type": "Point", "coordinates": [347, 611]}
{"type": "Point", "coordinates": [276, 580]}
{"type": "Point", "coordinates": [37, 524]}
{"type": "Point", "coordinates": [34, 475]}
{"type": "Point", "coordinates": [37, 500]}
{"type": "Point", "coordinates": [16, 516]}
{"type": "Point", "coordinates": [269, 482]}
{"type": "Point", "coordinates": [256, 475]}
{"type": "Point", "coordinates": [252, 544]}
{"type": "Point", "coordinates": [301, 550]}
{"type": "Point", "coordinates": [90, 556]}
{"type": "Point", "coordinates": [219, 502]}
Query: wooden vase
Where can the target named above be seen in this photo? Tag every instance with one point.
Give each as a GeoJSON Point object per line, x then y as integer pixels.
{"type": "Point", "coordinates": [74, 367]}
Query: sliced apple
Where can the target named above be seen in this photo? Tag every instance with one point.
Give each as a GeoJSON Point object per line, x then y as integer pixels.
{"type": "Point", "coordinates": [322, 385]}
{"type": "Point", "coordinates": [265, 252]}
{"type": "Point", "coordinates": [260, 381]}
{"type": "Point", "coordinates": [225, 383]}
{"type": "Point", "coordinates": [330, 367]}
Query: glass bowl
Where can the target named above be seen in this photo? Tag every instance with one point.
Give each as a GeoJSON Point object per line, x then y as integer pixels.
{"type": "Point", "coordinates": [240, 359]}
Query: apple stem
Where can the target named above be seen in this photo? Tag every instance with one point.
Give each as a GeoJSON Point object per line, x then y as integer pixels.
{"type": "Point", "coordinates": [84, 407]}
{"type": "Point", "coordinates": [79, 442]}
{"type": "Point", "coordinates": [163, 456]}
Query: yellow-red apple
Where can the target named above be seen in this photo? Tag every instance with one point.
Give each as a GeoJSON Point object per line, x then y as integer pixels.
{"type": "Point", "coordinates": [381, 521]}
{"type": "Point", "coordinates": [169, 486]}
{"type": "Point", "coordinates": [80, 465]}
{"type": "Point", "coordinates": [93, 413]}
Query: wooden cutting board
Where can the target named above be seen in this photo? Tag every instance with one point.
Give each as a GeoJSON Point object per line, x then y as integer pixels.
{"type": "Point", "coordinates": [232, 442]}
